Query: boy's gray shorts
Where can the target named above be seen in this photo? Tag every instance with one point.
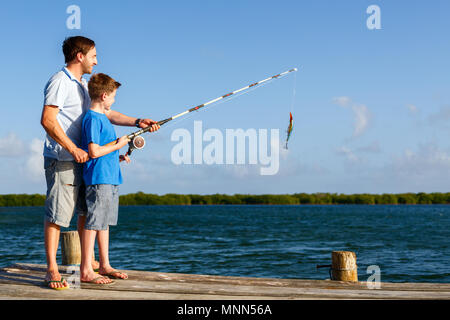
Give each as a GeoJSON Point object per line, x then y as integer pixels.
{"type": "Point", "coordinates": [65, 191]}
{"type": "Point", "coordinates": [102, 206]}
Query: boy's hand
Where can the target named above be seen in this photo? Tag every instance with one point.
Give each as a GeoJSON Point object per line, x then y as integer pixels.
{"type": "Point", "coordinates": [122, 142]}
{"type": "Point", "coordinates": [124, 157]}
{"type": "Point", "coordinates": [149, 122]}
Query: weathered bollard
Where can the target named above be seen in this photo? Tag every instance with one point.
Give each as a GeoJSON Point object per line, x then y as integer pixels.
{"type": "Point", "coordinates": [343, 266]}
{"type": "Point", "coordinates": [70, 248]}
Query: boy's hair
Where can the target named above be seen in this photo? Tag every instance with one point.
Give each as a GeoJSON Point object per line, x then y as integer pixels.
{"type": "Point", "coordinates": [73, 45]}
{"type": "Point", "coordinates": [101, 83]}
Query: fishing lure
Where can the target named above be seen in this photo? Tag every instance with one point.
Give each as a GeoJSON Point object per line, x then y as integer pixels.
{"type": "Point", "coordinates": [289, 129]}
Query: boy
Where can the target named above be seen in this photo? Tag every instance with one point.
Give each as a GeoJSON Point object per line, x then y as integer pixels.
{"type": "Point", "coordinates": [102, 176]}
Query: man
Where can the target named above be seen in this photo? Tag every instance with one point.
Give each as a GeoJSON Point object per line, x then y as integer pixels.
{"type": "Point", "coordinates": [66, 100]}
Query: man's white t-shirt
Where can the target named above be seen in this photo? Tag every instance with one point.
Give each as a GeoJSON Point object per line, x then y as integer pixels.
{"type": "Point", "coordinates": [72, 98]}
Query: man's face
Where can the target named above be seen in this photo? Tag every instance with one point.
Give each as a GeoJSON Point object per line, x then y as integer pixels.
{"type": "Point", "coordinates": [89, 61]}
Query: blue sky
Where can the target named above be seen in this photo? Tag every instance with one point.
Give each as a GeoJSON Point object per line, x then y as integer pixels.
{"type": "Point", "coordinates": [371, 110]}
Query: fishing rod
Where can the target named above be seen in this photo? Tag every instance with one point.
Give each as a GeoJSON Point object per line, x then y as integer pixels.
{"type": "Point", "coordinates": [138, 142]}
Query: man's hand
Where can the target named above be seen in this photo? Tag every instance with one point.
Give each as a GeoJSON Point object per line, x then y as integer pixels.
{"type": "Point", "coordinates": [80, 155]}
{"type": "Point", "coordinates": [54, 130]}
{"type": "Point", "coordinates": [120, 119]}
{"type": "Point", "coordinates": [149, 122]}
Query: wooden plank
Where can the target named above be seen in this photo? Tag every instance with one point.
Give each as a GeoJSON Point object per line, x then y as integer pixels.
{"type": "Point", "coordinates": [158, 276]}
{"type": "Point", "coordinates": [24, 281]}
{"type": "Point", "coordinates": [17, 292]}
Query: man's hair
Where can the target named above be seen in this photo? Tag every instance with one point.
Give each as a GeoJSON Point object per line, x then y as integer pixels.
{"type": "Point", "coordinates": [101, 83]}
{"type": "Point", "coordinates": [73, 45]}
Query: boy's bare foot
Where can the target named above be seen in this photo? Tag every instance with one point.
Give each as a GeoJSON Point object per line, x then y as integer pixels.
{"type": "Point", "coordinates": [53, 280]}
{"type": "Point", "coordinates": [113, 273]}
{"type": "Point", "coordinates": [95, 265]}
{"type": "Point", "coordinates": [95, 278]}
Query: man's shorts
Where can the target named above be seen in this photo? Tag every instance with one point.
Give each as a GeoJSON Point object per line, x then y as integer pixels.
{"type": "Point", "coordinates": [102, 206]}
{"type": "Point", "coordinates": [65, 191]}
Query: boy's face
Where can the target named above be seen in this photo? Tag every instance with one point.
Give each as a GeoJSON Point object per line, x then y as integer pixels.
{"type": "Point", "coordinates": [89, 61]}
{"type": "Point", "coordinates": [109, 99]}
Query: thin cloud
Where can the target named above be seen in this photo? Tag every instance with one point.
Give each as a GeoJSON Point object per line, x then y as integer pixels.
{"type": "Point", "coordinates": [347, 153]}
{"type": "Point", "coordinates": [12, 146]}
{"type": "Point", "coordinates": [34, 165]}
{"type": "Point", "coordinates": [373, 147]}
{"type": "Point", "coordinates": [429, 161]}
{"type": "Point", "coordinates": [412, 108]}
{"type": "Point", "coordinates": [442, 116]}
{"type": "Point", "coordinates": [342, 101]}
{"type": "Point", "coordinates": [361, 114]}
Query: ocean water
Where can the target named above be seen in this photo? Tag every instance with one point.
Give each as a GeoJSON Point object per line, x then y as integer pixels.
{"type": "Point", "coordinates": [407, 243]}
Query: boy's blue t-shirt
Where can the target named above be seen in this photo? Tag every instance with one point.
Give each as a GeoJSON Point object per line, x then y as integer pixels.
{"type": "Point", "coordinates": [98, 129]}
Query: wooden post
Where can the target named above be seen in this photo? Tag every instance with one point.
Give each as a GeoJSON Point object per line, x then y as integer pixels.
{"type": "Point", "coordinates": [70, 248]}
{"type": "Point", "coordinates": [343, 267]}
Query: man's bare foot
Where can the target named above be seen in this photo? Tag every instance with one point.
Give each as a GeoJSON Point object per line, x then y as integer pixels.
{"type": "Point", "coordinates": [53, 280]}
{"type": "Point", "coordinates": [112, 273]}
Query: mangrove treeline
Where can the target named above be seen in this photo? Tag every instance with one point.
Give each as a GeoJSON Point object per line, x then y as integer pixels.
{"type": "Point", "coordinates": [140, 198]}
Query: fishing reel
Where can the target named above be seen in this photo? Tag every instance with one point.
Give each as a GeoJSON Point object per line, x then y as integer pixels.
{"type": "Point", "coordinates": [137, 142]}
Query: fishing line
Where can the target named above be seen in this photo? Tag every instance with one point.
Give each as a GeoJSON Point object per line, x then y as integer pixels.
{"type": "Point", "coordinates": [228, 99]}
{"type": "Point", "coordinates": [138, 142]}
{"type": "Point", "coordinates": [294, 89]}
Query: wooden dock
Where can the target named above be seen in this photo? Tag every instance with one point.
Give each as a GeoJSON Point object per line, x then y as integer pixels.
{"type": "Point", "coordinates": [25, 281]}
